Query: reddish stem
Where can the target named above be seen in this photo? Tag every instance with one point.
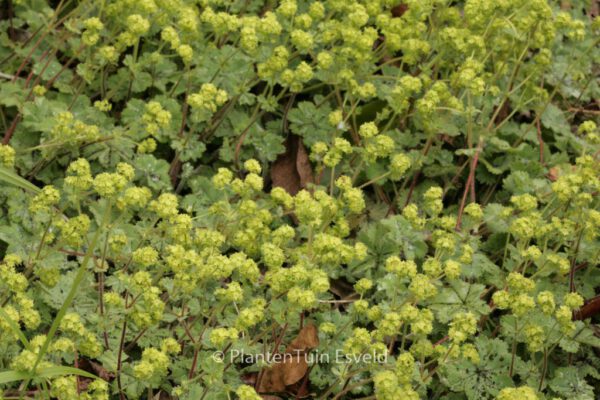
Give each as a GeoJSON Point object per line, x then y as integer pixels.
{"type": "Point", "coordinates": [119, 358]}
{"type": "Point", "coordinates": [470, 183]}
{"type": "Point", "coordinates": [589, 309]}
{"type": "Point", "coordinates": [539, 137]}
{"type": "Point", "coordinates": [442, 340]}
{"type": "Point", "coordinates": [76, 365]}
{"type": "Point", "coordinates": [275, 351]}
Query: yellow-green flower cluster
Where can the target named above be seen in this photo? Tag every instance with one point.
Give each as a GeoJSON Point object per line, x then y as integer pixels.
{"type": "Point", "coordinates": [155, 118]}
{"type": "Point", "coordinates": [333, 155]}
{"type": "Point", "coordinates": [463, 325]}
{"type": "Point", "coordinates": [136, 27]}
{"type": "Point", "coordinates": [231, 294]}
{"type": "Point", "coordinates": [134, 198]}
{"type": "Point", "coordinates": [399, 164]}
{"type": "Point", "coordinates": [21, 308]}
{"type": "Point", "coordinates": [7, 156]}
{"type": "Point", "coordinates": [146, 146]}
{"type": "Point", "coordinates": [296, 78]}
{"type": "Point", "coordinates": [590, 129]}
{"type": "Point", "coordinates": [49, 196]}
{"type": "Point", "coordinates": [545, 301]}
{"type": "Point", "coordinates": [405, 88]}
{"type": "Point", "coordinates": [433, 200]}
{"type": "Point", "coordinates": [145, 256]}
{"type": "Point", "coordinates": [435, 97]}
{"type": "Point", "coordinates": [79, 175]}
{"type": "Point", "coordinates": [376, 145]}
{"type": "Point", "coordinates": [468, 77]}
{"type": "Point", "coordinates": [208, 99]}
{"type": "Point", "coordinates": [71, 131]}
{"type": "Point", "coordinates": [154, 363]}
{"type": "Point", "coordinates": [73, 230]}
{"type": "Point", "coordinates": [109, 184]}
{"type": "Point", "coordinates": [87, 343]}
{"type": "Point", "coordinates": [93, 26]}
{"type": "Point", "coordinates": [275, 64]}
{"type": "Point", "coordinates": [221, 336]}
{"type": "Point", "coordinates": [517, 297]}
{"type": "Point", "coordinates": [252, 315]}
{"type": "Point", "coordinates": [520, 393]}
{"type": "Point", "coordinates": [401, 268]}
{"type": "Point", "coordinates": [245, 392]}
{"type": "Point", "coordinates": [534, 337]}
{"type": "Point", "coordinates": [388, 387]}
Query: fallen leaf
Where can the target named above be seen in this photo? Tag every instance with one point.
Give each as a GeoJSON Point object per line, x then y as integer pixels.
{"type": "Point", "coordinates": [299, 390]}
{"type": "Point", "coordinates": [294, 368]}
{"type": "Point", "coordinates": [96, 369]}
{"type": "Point", "coordinates": [101, 371]}
{"type": "Point", "coordinates": [272, 380]}
{"type": "Point", "coordinates": [292, 170]}
{"type": "Point", "coordinates": [250, 378]}
{"type": "Point", "coordinates": [308, 338]}
{"type": "Point", "coordinates": [594, 9]}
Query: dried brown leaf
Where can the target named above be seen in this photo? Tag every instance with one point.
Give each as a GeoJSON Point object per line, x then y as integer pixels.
{"type": "Point", "coordinates": [308, 338]}
{"type": "Point", "coordinates": [292, 170]}
{"type": "Point", "coordinates": [294, 368]}
{"type": "Point", "coordinates": [272, 380]}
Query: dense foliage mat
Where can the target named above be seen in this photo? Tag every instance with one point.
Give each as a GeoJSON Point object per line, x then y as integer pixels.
{"type": "Point", "coordinates": [338, 199]}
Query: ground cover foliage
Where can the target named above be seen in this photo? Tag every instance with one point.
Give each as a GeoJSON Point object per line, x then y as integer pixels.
{"type": "Point", "coordinates": [398, 199]}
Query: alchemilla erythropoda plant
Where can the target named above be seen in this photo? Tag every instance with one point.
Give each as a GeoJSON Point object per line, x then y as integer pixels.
{"type": "Point", "coordinates": [337, 199]}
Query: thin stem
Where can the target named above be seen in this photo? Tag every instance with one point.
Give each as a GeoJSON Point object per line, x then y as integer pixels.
{"type": "Point", "coordinates": [514, 350]}
{"type": "Point", "coordinates": [544, 370]}
{"type": "Point", "coordinates": [119, 359]}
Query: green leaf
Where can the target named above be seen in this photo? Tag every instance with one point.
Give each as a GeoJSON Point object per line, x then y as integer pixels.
{"type": "Point", "coordinates": [584, 336]}
{"type": "Point", "coordinates": [492, 215]}
{"type": "Point", "coordinates": [310, 122]}
{"type": "Point", "coordinates": [268, 143]}
{"type": "Point", "coordinates": [485, 379]}
{"type": "Point", "coordinates": [569, 345]}
{"type": "Point", "coordinates": [60, 370]}
{"type": "Point", "coordinates": [391, 236]}
{"type": "Point", "coordinates": [12, 376]}
{"type": "Point", "coordinates": [568, 383]}
{"type": "Point", "coordinates": [459, 296]}
{"type": "Point", "coordinates": [554, 119]}
{"type": "Point", "coordinates": [47, 372]}
{"type": "Point", "coordinates": [484, 270]}
{"type": "Point", "coordinates": [12, 178]}
{"type": "Point", "coordinates": [155, 172]}
{"type": "Point", "coordinates": [11, 94]}
{"type": "Point", "coordinates": [490, 167]}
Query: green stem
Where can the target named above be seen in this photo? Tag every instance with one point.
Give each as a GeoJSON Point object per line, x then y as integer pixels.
{"type": "Point", "coordinates": [544, 369]}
